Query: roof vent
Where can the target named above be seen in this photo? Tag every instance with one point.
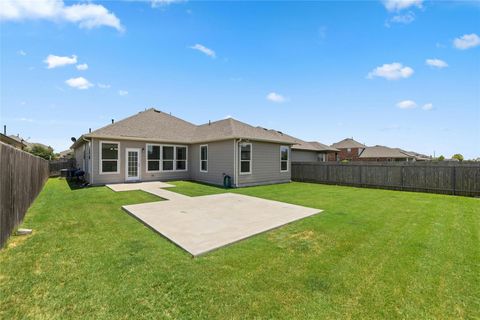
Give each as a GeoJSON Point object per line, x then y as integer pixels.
{"type": "Point", "coordinates": [209, 122]}
{"type": "Point", "coordinates": [158, 111]}
{"type": "Point", "coordinates": [113, 120]}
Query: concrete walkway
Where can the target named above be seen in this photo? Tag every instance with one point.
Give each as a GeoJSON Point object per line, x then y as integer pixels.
{"type": "Point", "coordinates": [155, 187]}
{"type": "Point", "coordinates": [205, 223]}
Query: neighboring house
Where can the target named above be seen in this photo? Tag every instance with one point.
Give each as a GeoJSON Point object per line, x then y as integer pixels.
{"type": "Point", "coordinates": [66, 154]}
{"type": "Point", "coordinates": [417, 156]}
{"type": "Point", "coordinates": [382, 153]}
{"type": "Point", "coordinates": [29, 145]}
{"type": "Point", "coordinates": [313, 151]}
{"type": "Point", "coordinates": [11, 141]}
{"type": "Point", "coordinates": [349, 149]}
{"type": "Point", "coordinates": [153, 145]}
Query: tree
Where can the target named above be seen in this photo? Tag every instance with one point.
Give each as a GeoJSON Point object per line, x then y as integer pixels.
{"type": "Point", "coordinates": [441, 158]}
{"type": "Point", "coordinates": [42, 152]}
{"type": "Point", "coordinates": [457, 156]}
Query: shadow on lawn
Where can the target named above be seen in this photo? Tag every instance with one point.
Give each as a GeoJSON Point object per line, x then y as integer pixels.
{"type": "Point", "coordinates": [75, 184]}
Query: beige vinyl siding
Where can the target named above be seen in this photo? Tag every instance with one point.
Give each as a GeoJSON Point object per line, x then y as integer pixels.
{"type": "Point", "coordinates": [265, 165]}
{"type": "Point", "coordinates": [144, 175]}
{"type": "Point", "coordinates": [304, 156]}
{"type": "Point", "coordinates": [220, 162]}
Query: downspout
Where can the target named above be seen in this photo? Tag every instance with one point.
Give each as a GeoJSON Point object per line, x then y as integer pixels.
{"type": "Point", "coordinates": [91, 161]}
{"type": "Point", "coordinates": [235, 182]}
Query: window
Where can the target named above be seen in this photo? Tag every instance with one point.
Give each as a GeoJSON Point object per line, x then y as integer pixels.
{"type": "Point", "coordinates": [109, 157]}
{"type": "Point", "coordinates": [321, 157]}
{"type": "Point", "coordinates": [204, 158]}
{"type": "Point", "coordinates": [167, 158]}
{"type": "Point", "coordinates": [349, 150]}
{"type": "Point", "coordinates": [245, 158]}
{"type": "Point", "coordinates": [153, 158]}
{"type": "Point", "coordinates": [283, 158]}
{"type": "Point", "coordinates": [181, 160]}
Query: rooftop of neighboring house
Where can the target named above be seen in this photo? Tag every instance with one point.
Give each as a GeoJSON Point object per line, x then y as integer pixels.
{"type": "Point", "coordinates": [12, 141]}
{"type": "Point", "coordinates": [384, 152]}
{"type": "Point", "coordinates": [348, 143]}
{"type": "Point", "coordinates": [312, 146]}
{"type": "Point", "coordinates": [155, 125]}
{"type": "Point", "coordinates": [27, 143]}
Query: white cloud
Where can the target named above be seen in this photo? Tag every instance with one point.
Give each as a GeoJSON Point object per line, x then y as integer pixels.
{"type": "Point", "coordinates": [466, 41]}
{"type": "Point", "coordinates": [203, 49]}
{"type": "Point", "coordinates": [103, 86]}
{"type": "Point", "coordinates": [392, 71]}
{"type": "Point", "coordinates": [407, 104]}
{"type": "Point", "coordinates": [160, 3]}
{"type": "Point", "coordinates": [275, 97]}
{"type": "Point", "coordinates": [54, 61]}
{"type": "Point", "coordinates": [427, 106]}
{"type": "Point", "coordinates": [86, 15]}
{"type": "Point", "coordinates": [79, 83]}
{"type": "Point", "coordinates": [82, 66]}
{"type": "Point", "coordinates": [122, 92]}
{"type": "Point", "coordinates": [21, 52]}
{"type": "Point", "coordinates": [398, 5]}
{"type": "Point", "coordinates": [401, 18]}
{"type": "Point", "coordinates": [436, 63]}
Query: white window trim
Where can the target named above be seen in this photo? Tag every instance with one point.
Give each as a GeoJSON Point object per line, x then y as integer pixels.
{"type": "Point", "coordinates": [288, 159]}
{"type": "Point", "coordinates": [175, 158]}
{"type": "Point", "coordinates": [146, 158]}
{"type": "Point", "coordinates": [240, 158]}
{"type": "Point", "coordinates": [200, 157]}
{"type": "Point", "coordinates": [139, 164]}
{"type": "Point", "coordinates": [101, 159]}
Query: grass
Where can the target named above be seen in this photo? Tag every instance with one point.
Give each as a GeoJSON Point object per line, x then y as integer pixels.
{"type": "Point", "coordinates": [371, 254]}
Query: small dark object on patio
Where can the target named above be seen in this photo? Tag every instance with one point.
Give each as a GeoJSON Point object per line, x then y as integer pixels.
{"type": "Point", "coordinates": [80, 175]}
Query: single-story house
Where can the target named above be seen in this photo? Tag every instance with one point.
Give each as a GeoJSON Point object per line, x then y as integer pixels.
{"type": "Point", "coordinates": [313, 151]}
{"type": "Point", "coordinates": [153, 145]}
{"type": "Point", "coordinates": [382, 153]}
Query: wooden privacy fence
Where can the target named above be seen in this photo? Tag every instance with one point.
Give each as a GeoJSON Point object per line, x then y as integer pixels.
{"type": "Point", "coordinates": [458, 179]}
{"type": "Point", "coordinates": [57, 165]}
{"type": "Point", "coordinates": [22, 177]}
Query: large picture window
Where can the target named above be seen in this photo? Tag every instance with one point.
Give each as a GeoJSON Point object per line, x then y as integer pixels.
{"type": "Point", "coordinates": [284, 153]}
{"type": "Point", "coordinates": [167, 158]}
{"type": "Point", "coordinates": [204, 158]}
{"type": "Point", "coordinates": [153, 158]}
{"type": "Point", "coordinates": [109, 157]}
{"type": "Point", "coordinates": [181, 159]}
{"type": "Point", "coordinates": [245, 158]}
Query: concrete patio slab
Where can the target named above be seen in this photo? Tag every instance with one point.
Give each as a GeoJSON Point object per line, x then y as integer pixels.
{"type": "Point", "coordinates": [202, 224]}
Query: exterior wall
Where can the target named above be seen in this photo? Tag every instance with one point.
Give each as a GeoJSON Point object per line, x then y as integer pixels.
{"type": "Point", "coordinates": [304, 156]}
{"type": "Point", "coordinates": [144, 175]}
{"type": "Point", "coordinates": [82, 159]}
{"type": "Point", "coordinates": [351, 156]}
{"type": "Point", "coordinates": [265, 165]}
{"type": "Point", "coordinates": [333, 156]}
{"type": "Point", "coordinates": [220, 162]}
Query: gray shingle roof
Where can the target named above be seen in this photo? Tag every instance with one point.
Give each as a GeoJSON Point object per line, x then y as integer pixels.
{"type": "Point", "coordinates": [384, 152]}
{"type": "Point", "coordinates": [311, 146]}
{"type": "Point", "coordinates": [155, 125]}
{"type": "Point", "coordinates": [348, 143]}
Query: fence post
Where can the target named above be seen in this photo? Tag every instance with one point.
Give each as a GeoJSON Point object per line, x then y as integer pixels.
{"type": "Point", "coordinates": [454, 179]}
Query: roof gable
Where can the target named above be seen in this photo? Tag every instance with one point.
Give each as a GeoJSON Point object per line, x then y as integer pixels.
{"type": "Point", "coordinates": [348, 143]}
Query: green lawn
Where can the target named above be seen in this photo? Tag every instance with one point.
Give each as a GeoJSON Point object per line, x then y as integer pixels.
{"type": "Point", "coordinates": [370, 254]}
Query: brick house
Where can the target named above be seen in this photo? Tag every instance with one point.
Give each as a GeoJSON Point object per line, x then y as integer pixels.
{"type": "Point", "coordinates": [349, 149]}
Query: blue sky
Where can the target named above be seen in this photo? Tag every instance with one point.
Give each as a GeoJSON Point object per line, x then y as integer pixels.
{"type": "Point", "coordinates": [316, 70]}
